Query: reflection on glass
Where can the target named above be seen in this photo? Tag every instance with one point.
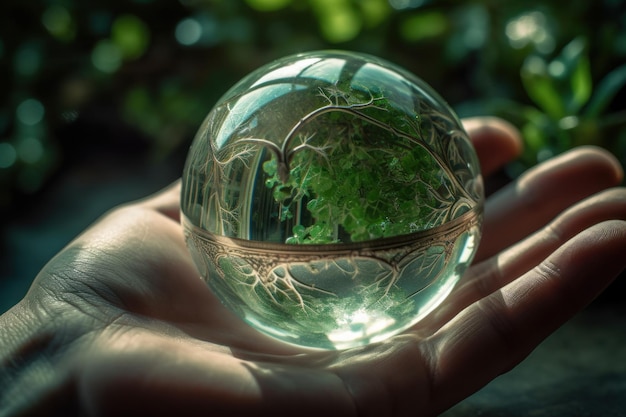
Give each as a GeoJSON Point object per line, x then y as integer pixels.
{"type": "Point", "coordinates": [331, 199]}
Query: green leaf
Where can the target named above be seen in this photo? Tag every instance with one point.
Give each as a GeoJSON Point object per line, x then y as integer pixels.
{"type": "Point", "coordinates": [541, 88]}
{"type": "Point", "coordinates": [581, 85]}
{"type": "Point", "coordinates": [563, 86]}
{"type": "Point", "coordinates": [608, 87]}
{"type": "Point", "coordinates": [270, 166]}
{"type": "Point", "coordinates": [536, 133]}
{"type": "Point", "coordinates": [571, 53]}
{"type": "Point", "coordinates": [373, 195]}
{"type": "Point", "coordinates": [573, 65]}
{"type": "Point", "coordinates": [299, 230]}
{"type": "Point", "coordinates": [376, 230]}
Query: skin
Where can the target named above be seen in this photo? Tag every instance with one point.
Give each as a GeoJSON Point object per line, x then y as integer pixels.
{"type": "Point", "coordinates": [118, 323]}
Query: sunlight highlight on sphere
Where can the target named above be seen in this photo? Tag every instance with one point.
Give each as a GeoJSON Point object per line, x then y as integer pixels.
{"type": "Point", "coordinates": [331, 199]}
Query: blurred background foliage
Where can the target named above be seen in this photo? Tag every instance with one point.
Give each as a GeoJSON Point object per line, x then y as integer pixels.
{"type": "Point", "coordinates": [136, 77]}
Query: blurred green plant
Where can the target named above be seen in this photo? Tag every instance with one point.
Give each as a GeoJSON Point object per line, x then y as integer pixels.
{"type": "Point", "coordinates": [569, 110]}
{"type": "Point", "coordinates": [156, 67]}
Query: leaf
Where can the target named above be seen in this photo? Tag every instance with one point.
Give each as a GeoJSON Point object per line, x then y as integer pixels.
{"type": "Point", "coordinates": [312, 205]}
{"type": "Point", "coordinates": [581, 85]}
{"type": "Point", "coordinates": [563, 86]}
{"type": "Point", "coordinates": [373, 195]}
{"type": "Point", "coordinates": [270, 166]}
{"type": "Point", "coordinates": [573, 63]}
{"type": "Point", "coordinates": [536, 132]}
{"type": "Point", "coordinates": [376, 230]}
{"type": "Point", "coordinates": [541, 88]}
{"type": "Point", "coordinates": [608, 87]}
{"type": "Point", "coordinates": [571, 53]}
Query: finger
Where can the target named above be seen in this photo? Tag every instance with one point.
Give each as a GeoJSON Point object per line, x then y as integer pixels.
{"type": "Point", "coordinates": [539, 195]}
{"type": "Point", "coordinates": [491, 275]}
{"type": "Point", "coordinates": [496, 333]}
{"type": "Point", "coordinates": [166, 201]}
{"type": "Point", "coordinates": [496, 142]}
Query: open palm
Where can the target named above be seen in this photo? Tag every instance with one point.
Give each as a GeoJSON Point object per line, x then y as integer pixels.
{"type": "Point", "coordinates": [119, 322]}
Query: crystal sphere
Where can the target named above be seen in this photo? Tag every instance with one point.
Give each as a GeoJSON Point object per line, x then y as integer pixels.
{"type": "Point", "coordinates": [331, 199]}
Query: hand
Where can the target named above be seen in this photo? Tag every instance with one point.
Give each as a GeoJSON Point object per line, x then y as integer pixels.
{"type": "Point", "coordinates": [119, 323]}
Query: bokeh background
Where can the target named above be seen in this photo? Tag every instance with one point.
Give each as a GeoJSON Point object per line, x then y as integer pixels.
{"type": "Point", "coordinates": [99, 100]}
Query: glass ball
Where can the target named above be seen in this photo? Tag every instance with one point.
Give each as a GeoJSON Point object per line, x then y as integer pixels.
{"type": "Point", "coordinates": [331, 199]}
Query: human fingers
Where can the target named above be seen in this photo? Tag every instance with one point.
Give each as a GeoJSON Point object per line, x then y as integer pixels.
{"type": "Point", "coordinates": [544, 191]}
{"type": "Point", "coordinates": [165, 201]}
{"type": "Point", "coordinates": [386, 379]}
{"type": "Point", "coordinates": [497, 332]}
{"type": "Point", "coordinates": [496, 142]}
{"type": "Point", "coordinates": [484, 278]}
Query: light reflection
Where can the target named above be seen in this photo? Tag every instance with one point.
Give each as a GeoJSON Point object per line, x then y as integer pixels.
{"type": "Point", "coordinates": [30, 150]}
{"type": "Point", "coordinates": [188, 32]}
{"type": "Point", "coordinates": [69, 116]}
{"type": "Point", "coordinates": [568, 123]}
{"type": "Point", "coordinates": [530, 29]}
{"type": "Point", "coordinates": [535, 65]}
{"type": "Point", "coordinates": [30, 112]}
{"type": "Point", "coordinates": [468, 251]}
{"type": "Point", "coordinates": [106, 56]}
{"type": "Point", "coordinates": [59, 22]}
{"type": "Point", "coordinates": [475, 26]}
{"type": "Point", "coordinates": [8, 155]}
{"type": "Point", "coordinates": [406, 4]}
{"type": "Point", "coordinates": [544, 154]}
{"type": "Point", "coordinates": [341, 25]}
{"type": "Point", "coordinates": [556, 69]}
{"type": "Point", "coordinates": [202, 29]}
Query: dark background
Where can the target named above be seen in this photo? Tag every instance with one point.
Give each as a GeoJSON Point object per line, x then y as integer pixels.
{"type": "Point", "coordinates": [99, 102]}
